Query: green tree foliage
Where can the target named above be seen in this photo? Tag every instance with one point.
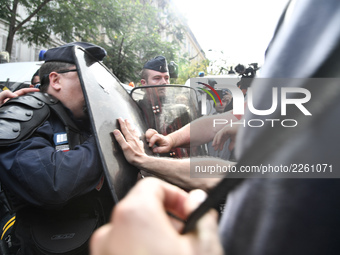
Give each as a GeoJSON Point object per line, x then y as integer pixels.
{"type": "Point", "coordinates": [135, 37]}
{"type": "Point", "coordinates": [40, 18]}
{"type": "Point", "coordinates": [129, 30]}
{"type": "Point", "coordinates": [189, 70]}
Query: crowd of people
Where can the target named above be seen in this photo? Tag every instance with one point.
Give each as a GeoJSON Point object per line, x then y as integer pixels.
{"type": "Point", "coordinates": [52, 173]}
{"type": "Point", "coordinates": [59, 79]}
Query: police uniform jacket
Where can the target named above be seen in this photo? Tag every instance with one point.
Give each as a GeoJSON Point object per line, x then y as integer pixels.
{"type": "Point", "coordinates": [38, 173]}
{"type": "Point", "coordinates": [45, 179]}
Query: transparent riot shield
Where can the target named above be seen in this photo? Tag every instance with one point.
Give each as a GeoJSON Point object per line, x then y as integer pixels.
{"type": "Point", "coordinates": [106, 101]}
{"type": "Point", "coordinates": [167, 108]}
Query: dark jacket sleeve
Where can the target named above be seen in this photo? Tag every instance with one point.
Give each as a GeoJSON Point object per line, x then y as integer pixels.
{"type": "Point", "coordinates": [36, 172]}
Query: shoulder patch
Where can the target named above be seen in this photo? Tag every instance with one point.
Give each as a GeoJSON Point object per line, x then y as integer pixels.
{"type": "Point", "coordinates": [60, 138]}
{"type": "Point", "coordinates": [61, 142]}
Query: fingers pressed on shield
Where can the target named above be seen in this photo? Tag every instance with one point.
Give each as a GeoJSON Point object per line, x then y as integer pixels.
{"type": "Point", "coordinates": [125, 130]}
{"type": "Point", "coordinates": [120, 138]}
{"type": "Point", "coordinates": [131, 128]}
{"type": "Point", "coordinates": [132, 146]}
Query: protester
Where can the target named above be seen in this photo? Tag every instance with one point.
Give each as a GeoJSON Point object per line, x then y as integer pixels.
{"type": "Point", "coordinates": [226, 98]}
{"type": "Point", "coordinates": [223, 153]}
{"type": "Point", "coordinates": [134, 233]}
{"type": "Point", "coordinates": [198, 132]}
{"type": "Point", "coordinates": [172, 170]}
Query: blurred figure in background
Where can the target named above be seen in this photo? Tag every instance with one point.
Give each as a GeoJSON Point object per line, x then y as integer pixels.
{"type": "Point", "coordinates": [225, 153]}
{"type": "Point", "coordinates": [35, 81]}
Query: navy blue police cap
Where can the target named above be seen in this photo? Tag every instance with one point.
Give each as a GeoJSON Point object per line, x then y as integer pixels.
{"type": "Point", "coordinates": [158, 64]}
{"type": "Point", "coordinates": [64, 52]}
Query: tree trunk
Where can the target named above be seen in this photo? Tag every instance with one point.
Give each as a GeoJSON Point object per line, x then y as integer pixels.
{"type": "Point", "coordinates": [11, 30]}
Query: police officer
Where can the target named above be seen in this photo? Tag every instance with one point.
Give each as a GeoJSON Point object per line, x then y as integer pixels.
{"type": "Point", "coordinates": [163, 116]}
{"type": "Point", "coordinates": [50, 167]}
{"type": "Point", "coordinates": [155, 72]}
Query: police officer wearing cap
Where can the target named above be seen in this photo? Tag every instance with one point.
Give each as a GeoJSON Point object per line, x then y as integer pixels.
{"type": "Point", "coordinates": [50, 166]}
{"type": "Point", "coordinates": [155, 72]}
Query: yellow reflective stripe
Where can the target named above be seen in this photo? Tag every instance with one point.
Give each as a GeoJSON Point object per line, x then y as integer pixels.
{"type": "Point", "coordinates": [7, 226]}
{"type": "Point", "coordinates": [13, 218]}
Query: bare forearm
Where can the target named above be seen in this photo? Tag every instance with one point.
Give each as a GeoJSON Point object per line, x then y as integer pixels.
{"type": "Point", "coordinates": [181, 137]}
{"type": "Point", "coordinates": [177, 171]}
{"type": "Point", "coordinates": [200, 131]}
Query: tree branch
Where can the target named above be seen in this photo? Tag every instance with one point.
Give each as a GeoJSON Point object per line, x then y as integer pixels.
{"type": "Point", "coordinates": [9, 8]}
{"type": "Point", "coordinates": [31, 15]}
